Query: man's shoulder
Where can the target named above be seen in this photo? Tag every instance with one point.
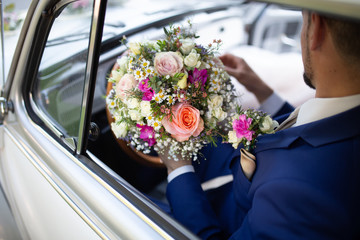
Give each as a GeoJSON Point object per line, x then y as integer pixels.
{"type": "Point", "coordinates": [335, 129]}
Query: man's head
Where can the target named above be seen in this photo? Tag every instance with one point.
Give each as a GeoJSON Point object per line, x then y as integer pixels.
{"type": "Point", "coordinates": [328, 41]}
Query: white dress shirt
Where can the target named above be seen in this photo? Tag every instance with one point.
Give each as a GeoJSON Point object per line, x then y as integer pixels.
{"type": "Point", "coordinates": [318, 108]}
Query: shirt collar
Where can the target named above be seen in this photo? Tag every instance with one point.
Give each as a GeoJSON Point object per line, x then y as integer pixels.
{"type": "Point", "coordinates": [319, 108]}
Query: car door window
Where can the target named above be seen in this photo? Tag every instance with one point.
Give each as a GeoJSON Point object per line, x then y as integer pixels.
{"type": "Point", "coordinates": [62, 71]}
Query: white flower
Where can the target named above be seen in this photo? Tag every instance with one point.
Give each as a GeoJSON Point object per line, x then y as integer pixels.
{"type": "Point", "coordinates": [135, 47]}
{"type": "Point", "coordinates": [150, 119]}
{"type": "Point", "coordinates": [120, 130]}
{"type": "Point", "coordinates": [145, 63]}
{"type": "Point", "coordinates": [210, 122]}
{"type": "Point", "coordinates": [110, 103]}
{"type": "Point", "coordinates": [208, 114]}
{"type": "Point", "coordinates": [233, 139]}
{"type": "Point", "coordinates": [159, 97]}
{"type": "Point", "coordinates": [116, 75]}
{"type": "Point", "coordinates": [219, 114]}
{"type": "Point", "coordinates": [135, 115]}
{"type": "Point", "coordinates": [145, 108]}
{"type": "Point", "coordinates": [139, 74]}
{"type": "Point", "coordinates": [123, 63]}
{"type": "Point", "coordinates": [215, 101]}
{"type": "Point", "coordinates": [192, 60]}
{"type": "Point", "coordinates": [132, 103]}
{"type": "Point", "coordinates": [170, 100]}
{"type": "Point", "coordinates": [157, 124]}
{"type": "Point", "coordinates": [267, 125]}
{"type": "Point", "coordinates": [187, 45]}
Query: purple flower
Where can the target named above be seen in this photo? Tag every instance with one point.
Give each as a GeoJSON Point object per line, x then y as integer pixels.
{"type": "Point", "coordinates": [241, 127]}
{"type": "Point", "coordinates": [198, 76]}
{"type": "Point", "coordinates": [147, 133]}
{"type": "Point", "coordinates": [146, 89]}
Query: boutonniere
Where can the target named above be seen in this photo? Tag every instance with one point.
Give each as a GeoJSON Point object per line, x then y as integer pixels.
{"type": "Point", "coordinates": [247, 125]}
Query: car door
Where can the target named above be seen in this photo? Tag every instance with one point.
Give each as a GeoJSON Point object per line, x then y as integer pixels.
{"type": "Point", "coordinates": [54, 187]}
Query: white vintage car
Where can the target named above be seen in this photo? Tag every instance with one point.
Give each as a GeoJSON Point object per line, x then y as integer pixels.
{"type": "Point", "coordinates": [63, 175]}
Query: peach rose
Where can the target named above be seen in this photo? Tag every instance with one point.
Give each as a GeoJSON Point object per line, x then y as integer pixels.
{"type": "Point", "coordinates": [186, 122]}
{"type": "Point", "coordinates": [168, 63]}
{"type": "Point", "coordinates": [126, 83]}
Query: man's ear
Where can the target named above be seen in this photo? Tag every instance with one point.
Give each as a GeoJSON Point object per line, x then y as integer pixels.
{"type": "Point", "coordinates": [318, 31]}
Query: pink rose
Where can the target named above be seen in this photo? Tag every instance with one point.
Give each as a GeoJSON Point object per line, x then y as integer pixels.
{"type": "Point", "coordinates": [126, 83]}
{"type": "Point", "coordinates": [241, 127]}
{"type": "Point", "coordinates": [186, 122]}
{"type": "Point", "coordinates": [168, 63]}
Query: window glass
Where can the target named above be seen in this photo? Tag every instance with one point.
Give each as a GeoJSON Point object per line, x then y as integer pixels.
{"type": "Point", "coordinates": [60, 82]}
{"type": "Point", "coordinates": [14, 13]}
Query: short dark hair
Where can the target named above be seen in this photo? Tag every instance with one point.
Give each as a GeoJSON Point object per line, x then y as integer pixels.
{"type": "Point", "coordinates": [346, 35]}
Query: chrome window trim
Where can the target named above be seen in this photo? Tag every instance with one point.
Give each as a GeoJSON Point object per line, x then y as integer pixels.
{"type": "Point", "coordinates": [97, 24]}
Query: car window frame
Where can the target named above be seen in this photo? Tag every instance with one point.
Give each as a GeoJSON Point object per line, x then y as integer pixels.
{"type": "Point", "coordinates": [75, 146]}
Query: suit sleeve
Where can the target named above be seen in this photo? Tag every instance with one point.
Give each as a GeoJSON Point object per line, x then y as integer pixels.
{"type": "Point", "coordinates": [191, 207]}
{"type": "Point", "coordinates": [284, 110]}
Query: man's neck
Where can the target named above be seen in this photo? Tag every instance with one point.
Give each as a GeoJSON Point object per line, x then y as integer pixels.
{"type": "Point", "coordinates": [336, 79]}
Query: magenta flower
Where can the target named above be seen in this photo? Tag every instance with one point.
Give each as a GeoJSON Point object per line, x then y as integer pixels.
{"type": "Point", "coordinates": [147, 133]}
{"type": "Point", "coordinates": [199, 77]}
{"type": "Point", "coordinates": [144, 87]}
{"type": "Point", "coordinates": [241, 127]}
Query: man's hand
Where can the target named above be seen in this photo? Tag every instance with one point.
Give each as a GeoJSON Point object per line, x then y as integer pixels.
{"type": "Point", "coordinates": [171, 164]}
{"type": "Point", "coordinates": [238, 68]}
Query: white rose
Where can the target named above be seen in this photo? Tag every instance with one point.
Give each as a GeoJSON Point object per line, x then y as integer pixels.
{"type": "Point", "coordinates": [135, 47]}
{"type": "Point", "coordinates": [135, 115]}
{"type": "Point", "coordinates": [215, 101]}
{"type": "Point", "coordinates": [187, 45]}
{"type": "Point", "coordinates": [116, 75]}
{"type": "Point", "coordinates": [120, 130]}
{"type": "Point", "coordinates": [219, 114]}
{"type": "Point", "coordinates": [267, 125]}
{"type": "Point", "coordinates": [132, 103]}
{"type": "Point", "coordinates": [233, 139]}
{"type": "Point", "coordinates": [145, 108]}
{"type": "Point", "coordinates": [123, 63]}
{"type": "Point", "coordinates": [192, 60]}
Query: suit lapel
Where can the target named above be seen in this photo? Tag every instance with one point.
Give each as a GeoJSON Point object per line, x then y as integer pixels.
{"type": "Point", "coordinates": [332, 129]}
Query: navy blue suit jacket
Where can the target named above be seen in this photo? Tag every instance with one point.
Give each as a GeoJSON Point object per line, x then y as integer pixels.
{"type": "Point", "coordinates": [306, 186]}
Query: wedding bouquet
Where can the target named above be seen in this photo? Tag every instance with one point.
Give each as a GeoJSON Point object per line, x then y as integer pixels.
{"type": "Point", "coordinates": [170, 94]}
{"type": "Point", "coordinates": [247, 125]}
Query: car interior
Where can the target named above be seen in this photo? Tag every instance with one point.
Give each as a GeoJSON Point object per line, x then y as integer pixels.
{"type": "Point", "coordinates": [246, 29]}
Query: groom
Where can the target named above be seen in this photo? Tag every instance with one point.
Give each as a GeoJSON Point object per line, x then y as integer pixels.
{"type": "Point", "coordinates": [307, 179]}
